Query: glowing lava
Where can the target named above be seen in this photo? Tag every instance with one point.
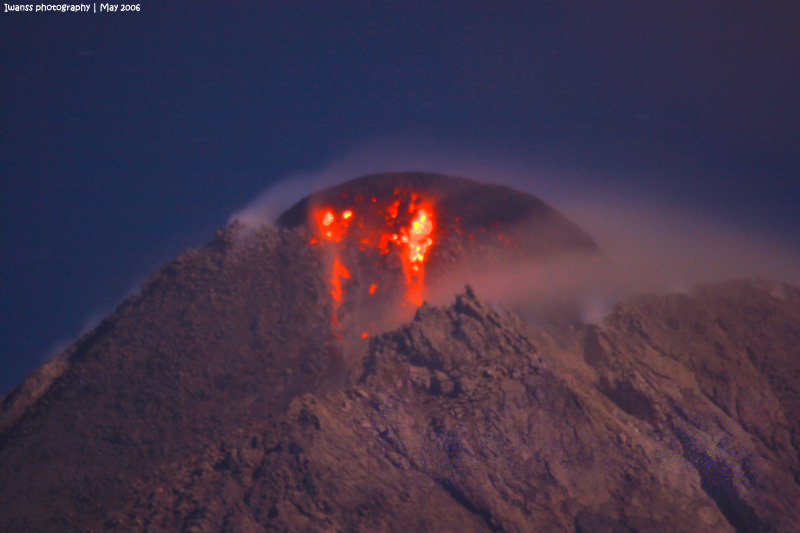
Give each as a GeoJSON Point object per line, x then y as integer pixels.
{"type": "Point", "coordinates": [417, 239]}
{"type": "Point", "coordinates": [404, 226]}
{"type": "Point", "coordinates": [339, 272]}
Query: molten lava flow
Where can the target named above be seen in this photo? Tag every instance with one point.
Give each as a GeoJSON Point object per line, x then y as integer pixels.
{"type": "Point", "coordinates": [404, 225]}
{"type": "Point", "coordinates": [339, 271]}
{"type": "Point", "coordinates": [330, 228]}
{"type": "Point", "coordinates": [417, 240]}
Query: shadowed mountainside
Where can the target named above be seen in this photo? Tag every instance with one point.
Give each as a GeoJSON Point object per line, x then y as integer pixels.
{"type": "Point", "coordinates": [679, 414]}
{"type": "Point", "coordinates": [217, 399]}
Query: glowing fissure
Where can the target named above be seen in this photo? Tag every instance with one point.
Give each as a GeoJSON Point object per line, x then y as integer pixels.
{"type": "Point", "coordinates": [411, 236]}
{"type": "Point", "coordinates": [339, 272]}
{"type": "Point", "coordinates": [417, 240]}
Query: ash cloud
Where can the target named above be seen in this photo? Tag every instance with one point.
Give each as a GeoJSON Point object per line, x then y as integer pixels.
{"type": "Point", "coordinates": [648, 244]}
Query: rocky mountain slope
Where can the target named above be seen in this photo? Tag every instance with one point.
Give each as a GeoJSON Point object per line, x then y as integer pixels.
{"type": "Point", "coordinates": [219, 399]}
{"type": "Point", "coordinates": [679, 414]}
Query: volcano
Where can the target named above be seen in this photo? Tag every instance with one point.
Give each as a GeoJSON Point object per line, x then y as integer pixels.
{"type": "Point", "coordinates": [292, 378]}
{"type": "Point", "coordinates": [387, 239]}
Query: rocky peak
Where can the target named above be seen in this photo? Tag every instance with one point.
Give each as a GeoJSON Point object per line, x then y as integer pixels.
{"type": "Point", "coordinates": [463, 418]}
{"type": "Point", "coordinates": [221, 397]}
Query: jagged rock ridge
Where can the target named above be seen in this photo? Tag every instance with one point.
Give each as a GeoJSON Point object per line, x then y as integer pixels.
{"type": "Point", "coordinates": [364, 229]}
{"type": "Point", "coordinates": [216, 400]}
{"type": "Point", "coordinates": [468, 420]}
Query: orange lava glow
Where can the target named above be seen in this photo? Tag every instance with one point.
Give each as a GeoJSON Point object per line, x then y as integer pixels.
{"type": "Point", "coordinates": [339, 272]}
{"type": "Point", "coordinates": [417, 240]}
{"type": "Point", "coordinates": [403, 226]}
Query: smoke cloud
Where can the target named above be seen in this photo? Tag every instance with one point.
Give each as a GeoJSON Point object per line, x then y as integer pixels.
{"type": "Point", "coordinates": [649, 244]}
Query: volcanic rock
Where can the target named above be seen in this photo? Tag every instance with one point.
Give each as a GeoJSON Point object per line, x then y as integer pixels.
{"type": "Point", "coordinates": [218, 399]}
{"type": "Point", "coordinates": [465, 419]}
{"type": "Point", "coordinates": [472, 219]}
{"type": "Point", "coordinates": [393, 236]}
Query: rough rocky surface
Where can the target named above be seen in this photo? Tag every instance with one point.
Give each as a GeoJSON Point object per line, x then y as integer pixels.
{"type": "Point", "coordinates": [462, 206]}
{"type": "Point", "coordinates": [474, 227]}
{"type": "Point", "coordinates": [217, 400]}
{"type": "Point", "coordinates": [473, 220]}
{"type": "Point", "coordinates": [468, 420]}
{"type": "Point", "coordinates": [217, 339]}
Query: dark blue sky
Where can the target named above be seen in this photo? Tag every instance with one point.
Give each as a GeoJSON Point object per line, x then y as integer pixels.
{"type": "Point", "coordinates": [128, 137]}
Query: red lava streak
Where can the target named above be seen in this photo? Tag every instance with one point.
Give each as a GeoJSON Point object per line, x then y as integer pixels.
{"type": "Point", "coordinates": [403, 226]}
{"type": "Point", "coordinates": [339, 272]}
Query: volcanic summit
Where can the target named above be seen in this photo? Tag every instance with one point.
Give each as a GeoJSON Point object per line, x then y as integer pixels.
{"type": "Point", "coordinates": [292, 378]}
{"type": "Point", "coordinates": [386, 238]}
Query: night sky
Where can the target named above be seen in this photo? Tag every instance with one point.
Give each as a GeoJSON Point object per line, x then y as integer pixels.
{"type": "Point", "coordinates": [127, 137]}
